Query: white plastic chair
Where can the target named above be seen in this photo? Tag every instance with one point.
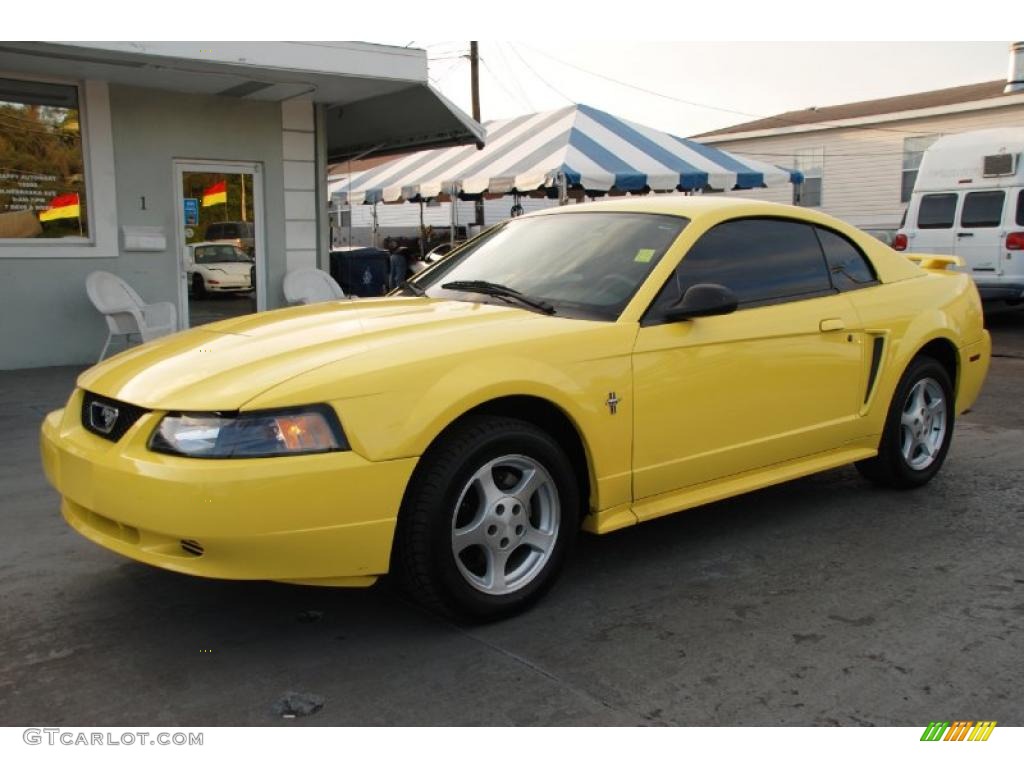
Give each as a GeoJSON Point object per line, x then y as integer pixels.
{"type": "Point", "coordinates": [125, 312]}
{"type": "Point", "coordinates": [308, 285]}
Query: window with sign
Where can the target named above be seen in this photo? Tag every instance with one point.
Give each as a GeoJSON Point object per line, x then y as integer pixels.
{"type": "Point", "coordinates": [42, 170]}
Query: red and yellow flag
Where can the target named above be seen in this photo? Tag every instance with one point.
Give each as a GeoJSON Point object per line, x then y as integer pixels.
{"type": "Point", "coordinates": [215, 194]}
{"type": "Point", "coordinates": [62, 207]}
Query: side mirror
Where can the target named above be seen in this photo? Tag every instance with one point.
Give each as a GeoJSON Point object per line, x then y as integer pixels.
{"type": "Point", "coordinates": [703, 300]}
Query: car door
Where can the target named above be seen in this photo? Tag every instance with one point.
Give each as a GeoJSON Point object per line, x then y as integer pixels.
{"type": "Point", "coordinates": [778, 379]}
{"type": "Point", "coordinates": [979, 235]}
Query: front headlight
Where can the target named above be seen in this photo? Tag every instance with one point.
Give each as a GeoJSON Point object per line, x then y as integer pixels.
{"type": "Point", "coordinates": [312, 429]}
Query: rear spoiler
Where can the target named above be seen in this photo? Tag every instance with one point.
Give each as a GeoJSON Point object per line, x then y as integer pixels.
{"type": "Point", "coordinates": [934, 261]}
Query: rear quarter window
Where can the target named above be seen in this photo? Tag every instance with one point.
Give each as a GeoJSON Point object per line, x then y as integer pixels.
{"type": "Point", "coordinates": [1020, 208]}
{"type": "Point", "coordinates": [848, 267]}
{"type": "Point", "coordinates": [937, 211]}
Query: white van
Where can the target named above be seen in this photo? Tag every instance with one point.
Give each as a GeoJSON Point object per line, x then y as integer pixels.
{"type": "Point", "coordinates": [968, 201]}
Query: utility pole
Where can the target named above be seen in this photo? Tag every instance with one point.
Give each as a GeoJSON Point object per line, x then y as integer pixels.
{"type": "Point", "coordinates": [474, 76]}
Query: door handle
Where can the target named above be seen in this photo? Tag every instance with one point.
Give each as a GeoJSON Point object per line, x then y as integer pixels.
{"type": "Point", "coordinates": [831, 324]}
{"type": "Point", "coordinates": [965, 234]}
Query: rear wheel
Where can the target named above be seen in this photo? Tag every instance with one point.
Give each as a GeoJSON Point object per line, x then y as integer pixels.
{"type": "Point", "coordinates": [488, 519]}
{"type": "Point", "coordinates": [918, 428]}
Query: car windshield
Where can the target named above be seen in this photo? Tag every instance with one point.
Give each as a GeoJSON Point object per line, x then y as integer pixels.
{"type": "Point", "coordinates": [218, 254]}
{"type": "Point", "coordinates": [586, 264]}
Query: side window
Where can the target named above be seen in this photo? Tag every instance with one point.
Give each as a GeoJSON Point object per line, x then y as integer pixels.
{"type": "Point", "coordinates": [763, 261]}
{"type": "Point", "coordinates": [849, 268]}
{"type": "Point", "coordinates": [983, 209]}
{"type": "Point", "coordinates": [937, 211]}
{"type": "Point", "coordinates": [1020, 208]}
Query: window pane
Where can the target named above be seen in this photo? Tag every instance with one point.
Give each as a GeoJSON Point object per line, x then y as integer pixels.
{"type": "Point", "coordinates": [907, 185]}
{"type": "Point", "coordinates": [808, 194]}
{"type": "Point", "coordinates": [913, 150]}
{"type": "Point", "coordinates": [810, 162]}
{"type": "Point", "coordinates": [937, 211]}
{"type": "Point", "coordinates": [1020, 208]}
{"type": "Point", "coordinates": [760, 260]}
{"type": "Point", "coordinates": [42, 173]}
{"type": "Point", "coordinates": [982, 209]}
{"type": "Point", "coordinates": [848, 266]}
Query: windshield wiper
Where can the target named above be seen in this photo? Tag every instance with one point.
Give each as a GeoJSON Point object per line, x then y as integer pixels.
{"type": "Point", "coordinates": [407, 286]}
{"type": "Point", "coordinates": [498, 291]}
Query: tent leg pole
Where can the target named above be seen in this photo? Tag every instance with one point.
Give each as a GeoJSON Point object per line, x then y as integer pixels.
{"type": "Point", "coordinates": [423, 234]}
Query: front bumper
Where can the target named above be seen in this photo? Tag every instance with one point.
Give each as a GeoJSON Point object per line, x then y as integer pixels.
{"type": "Point", "coordinates": [229, 285]}
{"type": "Point", "coordinates": [326, 518]}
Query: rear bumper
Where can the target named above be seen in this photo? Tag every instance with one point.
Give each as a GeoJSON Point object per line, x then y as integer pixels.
{"type": "Point", "coordinates": [326, 518]}
{"type": "Point", "coordinates": [999, 291]}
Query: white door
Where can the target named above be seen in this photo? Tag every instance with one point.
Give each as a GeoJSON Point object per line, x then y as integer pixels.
{"type": "Point", "coordinates": [980, 232]}
{"type": "Point", "coordinates": [221, 203]}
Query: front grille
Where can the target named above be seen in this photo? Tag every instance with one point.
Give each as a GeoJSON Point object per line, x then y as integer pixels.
{"type": "Point", "coordinates": [101, 423]}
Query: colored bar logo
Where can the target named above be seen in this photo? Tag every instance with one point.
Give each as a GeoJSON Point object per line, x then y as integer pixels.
{"type": "Point", "coordinates": [959, 730]}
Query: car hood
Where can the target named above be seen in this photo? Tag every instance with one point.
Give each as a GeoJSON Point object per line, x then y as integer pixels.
{"type": "Point", "coordinates": [221, 366]}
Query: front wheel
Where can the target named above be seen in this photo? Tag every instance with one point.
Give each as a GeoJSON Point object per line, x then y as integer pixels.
{"type": "Point", "coordinates": [198, 286]}
{"type": "Point", "coordinates": [488, 519]}
{"type": "Point", "coordinates": [918, 428]}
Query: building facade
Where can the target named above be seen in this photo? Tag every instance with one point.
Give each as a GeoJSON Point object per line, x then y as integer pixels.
{"type": "Point", "coordinates": [860, 160]}
{"type": "Point", "coordinates": [117, 157]}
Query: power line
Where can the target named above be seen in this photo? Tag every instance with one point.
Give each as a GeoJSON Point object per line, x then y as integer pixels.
{"type": "Point", "coordinates": [711, 106]}
{"type": "Point", "coordinates": [512, 76]}
{"type": "Point", "coordinates": [500, 84]}
{"type": "Point", "coordinates": [536, 74]}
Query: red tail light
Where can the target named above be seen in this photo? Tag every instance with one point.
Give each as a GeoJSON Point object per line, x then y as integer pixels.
{"type": "Point", "coordinates": [899, 243]}
{"type": "Point", "coordinates": [1015, 241]}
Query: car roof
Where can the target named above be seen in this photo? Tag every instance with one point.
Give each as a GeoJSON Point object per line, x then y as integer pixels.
{"type": "Point", "coordinates": [692, 207]}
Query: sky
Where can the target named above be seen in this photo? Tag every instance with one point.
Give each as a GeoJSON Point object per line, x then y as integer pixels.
{"type": "Point", "coordinates": [735, 82]}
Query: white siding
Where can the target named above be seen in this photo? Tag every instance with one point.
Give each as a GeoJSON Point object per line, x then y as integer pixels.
{"type": "Point", "coordinates": [863, 168]}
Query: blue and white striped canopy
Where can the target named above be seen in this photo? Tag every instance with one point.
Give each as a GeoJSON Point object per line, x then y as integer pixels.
{"type": "Point", "coordinates": [595, 150]}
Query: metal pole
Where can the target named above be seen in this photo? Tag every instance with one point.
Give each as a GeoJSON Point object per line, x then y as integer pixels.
{"type": "Point", "coordinates": [374, 223]}
{"type": "Point", "coordinates": [474, 74]}
{"type": "Point", "coordinates": [423, 233]}
{"type": "Point", "coordinates": [563, 189]}
{"type": "Point", "coordinates": [454, 216]}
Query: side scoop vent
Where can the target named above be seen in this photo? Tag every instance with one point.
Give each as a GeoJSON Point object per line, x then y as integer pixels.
{"type": "Point", "coordinates": [192, 547]}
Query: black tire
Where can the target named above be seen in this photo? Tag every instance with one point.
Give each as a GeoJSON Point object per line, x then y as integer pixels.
{"type": "Point", "coordinates": [890, 467]}
{"type": "Point", "coordinates": [198, 286]}
{"type": "Point", "coordinates": [423, 559]}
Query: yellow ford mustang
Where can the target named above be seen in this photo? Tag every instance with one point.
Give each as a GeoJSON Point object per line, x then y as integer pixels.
{"type": "Point", "coordinates": [593, 366]}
